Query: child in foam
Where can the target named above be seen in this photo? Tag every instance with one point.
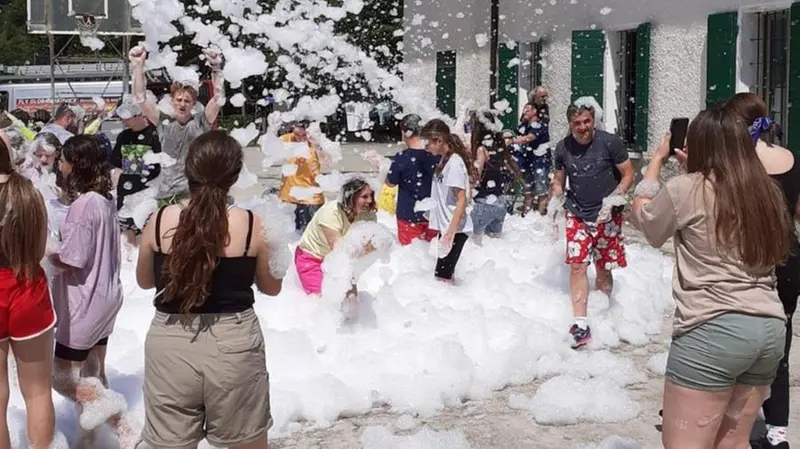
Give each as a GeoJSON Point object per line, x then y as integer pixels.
{"type": "Point", "coordinates": [87, 292]}
{"type": "Point", "coordinates": [326, 229]}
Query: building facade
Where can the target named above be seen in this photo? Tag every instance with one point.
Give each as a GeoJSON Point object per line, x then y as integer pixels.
{"type": "Point", "coordinates": [645, 61]}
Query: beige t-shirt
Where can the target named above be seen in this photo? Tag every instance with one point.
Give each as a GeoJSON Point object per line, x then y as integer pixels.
{"type": "Point", "coordinates": [705, 284]}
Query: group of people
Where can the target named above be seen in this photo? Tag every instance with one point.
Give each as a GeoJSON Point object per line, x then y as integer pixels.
{"type": "Point", "coordinates": [205, 376]}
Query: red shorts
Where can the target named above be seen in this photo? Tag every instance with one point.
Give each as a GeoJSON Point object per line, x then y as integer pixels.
{"type": "Point", "coordinates": [407, 232]}
{"type": "Point", "coordinates": [601, 243]}
{"type": "Point", "coordinates": [26, 309]}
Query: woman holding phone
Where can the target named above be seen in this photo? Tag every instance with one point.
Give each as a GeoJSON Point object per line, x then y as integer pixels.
{"type": "Point", "coordinates": [729, 325]}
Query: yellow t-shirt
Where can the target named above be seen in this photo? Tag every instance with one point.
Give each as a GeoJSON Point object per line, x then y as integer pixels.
{"type": "Point", "coordinates": [305, 177]}
{"type": "Point", "coordinates": [332, 216]}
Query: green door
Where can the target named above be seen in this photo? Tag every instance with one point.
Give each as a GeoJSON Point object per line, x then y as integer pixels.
{"type": "Point", "coordinates": [723, 29]}
{"type": "Point", "coordinates": [446, 82]}
{"type": "Point", "coordinates": [588, 48]}
{"type": "Point", "coordinates": [790, 128]}
{"type": "Point", "coordinates": [508, 83]}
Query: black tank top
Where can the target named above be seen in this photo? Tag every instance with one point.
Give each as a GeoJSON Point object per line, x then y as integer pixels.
{"type": "Point", "coordinates": [231, 284]}
{"type": "Point", "coordinates": [789, 273]}
{"type": "Point", "coordinates": [493, 177]}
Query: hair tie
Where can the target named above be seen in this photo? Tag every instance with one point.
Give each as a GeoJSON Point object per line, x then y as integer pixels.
{"type": "Point", "coordinates": [760, 125]}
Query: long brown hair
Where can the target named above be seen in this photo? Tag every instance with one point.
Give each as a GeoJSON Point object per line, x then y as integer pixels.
{"type": "Point", "coordinates": [751, 219]}
{"type": "Point", "coordinates": [750, 107]}
{"type": "Point", "coordinates": [23, 221]}
{"type": "Point", "coordinates": [438, 129]}
{"type": "Point", "coordinates": [212, 167]}
{"type": "Point", "coordinates": [480, 132]}
{"type": "Point", "coordinates": [91, 171]}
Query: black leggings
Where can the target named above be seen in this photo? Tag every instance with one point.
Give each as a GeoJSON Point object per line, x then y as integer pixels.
{"type": "Point", "coordinates": [776, 408]}
{"type": "Point", "coordinates": [446, 266]}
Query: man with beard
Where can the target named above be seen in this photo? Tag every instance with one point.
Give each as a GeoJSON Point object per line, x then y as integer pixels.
{"type": "Point", "coordinates": [599, 173]}
{"type": "Point", "coordinates": [65, 123]}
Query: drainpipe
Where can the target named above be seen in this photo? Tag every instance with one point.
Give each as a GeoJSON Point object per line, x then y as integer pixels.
{"type": "Point", "coordinates": [494, 33]}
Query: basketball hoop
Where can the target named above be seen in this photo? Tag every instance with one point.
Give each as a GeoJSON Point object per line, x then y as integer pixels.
{"type": "Point", "coordinates": [87, 25]}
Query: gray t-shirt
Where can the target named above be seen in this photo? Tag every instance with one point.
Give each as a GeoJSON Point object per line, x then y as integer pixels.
{"type": "Point", "coordinates": [175, 140]}
{"type": "Point", "coordinates": [591, 170]}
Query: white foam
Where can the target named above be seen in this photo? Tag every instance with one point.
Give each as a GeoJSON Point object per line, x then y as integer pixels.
{"type": "Point", "coordinates": [566, 400]}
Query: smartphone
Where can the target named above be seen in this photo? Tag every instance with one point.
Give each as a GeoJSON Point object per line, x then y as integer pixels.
{"type": "Point", "coordinates": [678, 129]}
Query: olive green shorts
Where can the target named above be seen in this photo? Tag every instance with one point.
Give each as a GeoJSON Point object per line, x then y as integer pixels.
{"type": "Point", "coordinates": [731, 349]}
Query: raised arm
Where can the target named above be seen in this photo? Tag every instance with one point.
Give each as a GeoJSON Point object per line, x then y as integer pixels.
{"type": "Point", "coordinates": [137, 57]}
{"type": "Point", "coordinates": [214, 60]}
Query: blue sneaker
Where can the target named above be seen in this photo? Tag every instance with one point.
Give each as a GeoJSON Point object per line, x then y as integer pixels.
{"type": "Point", "coordinates": [581, 337]}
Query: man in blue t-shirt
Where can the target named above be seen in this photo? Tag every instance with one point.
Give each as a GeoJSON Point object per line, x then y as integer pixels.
{"type": "Point", "coordinates": [597, 166]}
{"type": "Point", "coordinates": [412, 172]}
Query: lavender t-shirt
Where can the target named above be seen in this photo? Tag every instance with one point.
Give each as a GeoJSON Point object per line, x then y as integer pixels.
{"type": "Point", "coordinates": [88, 295]}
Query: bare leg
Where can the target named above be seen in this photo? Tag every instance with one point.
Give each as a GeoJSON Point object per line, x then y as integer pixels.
{"type": "Point", "coordinates": [35, 368]}
{"type": "Point", "coordinates": [5, 438]}
{"type": "Point", "coordinates": [691, 417]}
{"type": "Point", "coordinates": [579, 288]}
{"type": "Point", "coordinates": [604, 281]}
{"type": "Point", "coordinates": [734, 433]}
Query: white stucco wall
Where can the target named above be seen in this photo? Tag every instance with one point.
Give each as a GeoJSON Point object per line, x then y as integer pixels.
{"type": "Point", "coordinates": [557, 76]}
{"type": "Point", "coordinates": [678, 48]}
{"type": "Point", "coordinates": [677, 75]}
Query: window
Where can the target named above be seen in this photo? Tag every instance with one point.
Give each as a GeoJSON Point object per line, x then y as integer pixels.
{"type": "Point", "coordinates": [771, 42]}
{"type": "Point", "coordinates": [446, 82]}
{"type": "Point", "coordinates": [626, 88]}
{"type": "Point", "coordinates": [530, 67]}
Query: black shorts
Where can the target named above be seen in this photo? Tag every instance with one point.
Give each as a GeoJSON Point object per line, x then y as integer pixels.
{"type": "Point", "coordinates": [76, 355]}
{"type": "Point", "coordinates": [446, 266]}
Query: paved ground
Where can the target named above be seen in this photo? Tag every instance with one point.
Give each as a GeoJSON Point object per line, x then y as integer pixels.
{"type": "Point", "coordinates": [491, 424]}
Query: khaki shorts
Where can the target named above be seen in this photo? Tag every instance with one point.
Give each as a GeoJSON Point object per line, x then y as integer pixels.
{"type": "Point", "coordinates": [205, 377]}
{"type": "Point", "coordinates": [728, 350]}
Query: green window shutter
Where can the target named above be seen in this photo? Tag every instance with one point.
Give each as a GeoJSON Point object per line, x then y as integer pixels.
{"type": "Point", "coordinates": [446, 82]}
{"type": "Point", "coordinates": [642, 101]}
{"type": "Point", "coordinates": [723, 29]}
{"type": "Point", "coordinates": [588, 48]}
{"type": "Point", "coordinates": [508, 83]}
{"type": "Point", "coordinates": [792, 127]}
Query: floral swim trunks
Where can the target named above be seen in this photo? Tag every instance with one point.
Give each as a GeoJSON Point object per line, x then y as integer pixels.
{"type": "Point", "coordinates": [601, 243]}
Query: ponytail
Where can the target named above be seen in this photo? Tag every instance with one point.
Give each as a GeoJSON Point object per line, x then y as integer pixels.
{"type": "Point", "coordinates": [200, 238]}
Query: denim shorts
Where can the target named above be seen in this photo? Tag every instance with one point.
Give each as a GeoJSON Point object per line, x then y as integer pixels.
{"type": "Point", "coordinates": [731, 349]}
{"type": "Point", "coordinates": [488, 217]}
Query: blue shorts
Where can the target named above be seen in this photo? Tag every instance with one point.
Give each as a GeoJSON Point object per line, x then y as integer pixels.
{"type": "Point", "coordinates": [488, 217]}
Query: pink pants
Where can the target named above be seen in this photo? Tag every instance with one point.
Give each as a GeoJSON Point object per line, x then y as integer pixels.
{"type": "Point", "coordinates": [309, 269]}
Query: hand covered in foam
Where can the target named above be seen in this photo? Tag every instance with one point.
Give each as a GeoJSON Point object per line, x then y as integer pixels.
{"type": "Point", "coordinates": [137, 56]}
{"type": "Point", "coordinates": [279, 256]}
{"type": "Point", "coordinates": [213, 58]}
{"type": "Point", "coordinates": [609, 203]}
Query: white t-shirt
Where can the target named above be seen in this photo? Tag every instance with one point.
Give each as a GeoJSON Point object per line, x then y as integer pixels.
{"type": "Point", "coordinates": [454, 175]}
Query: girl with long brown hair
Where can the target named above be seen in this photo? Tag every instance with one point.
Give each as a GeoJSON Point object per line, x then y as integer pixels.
{"type": "Point", "coordinates": [26, 311]}
{"type": "Point", "coordinates": [782, 166]}
{"type": "Point", "coordinates": [495, 168]}
{"type": "Point", "coordinates": [205, 363]}
{"type": "Point", "coordinates": [451, 194]}
{"type": "Point", "coordinates": [87, 291]}
{"type": "Point", "coordinates": [730, 227]}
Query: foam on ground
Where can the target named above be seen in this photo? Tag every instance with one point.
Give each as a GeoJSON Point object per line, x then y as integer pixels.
{"type": "Point", "coordinates": [421, 345]}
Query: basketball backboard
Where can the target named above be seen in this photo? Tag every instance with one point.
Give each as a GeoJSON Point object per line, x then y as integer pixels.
{"type": "Point", "coordinates": [113, 16]}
